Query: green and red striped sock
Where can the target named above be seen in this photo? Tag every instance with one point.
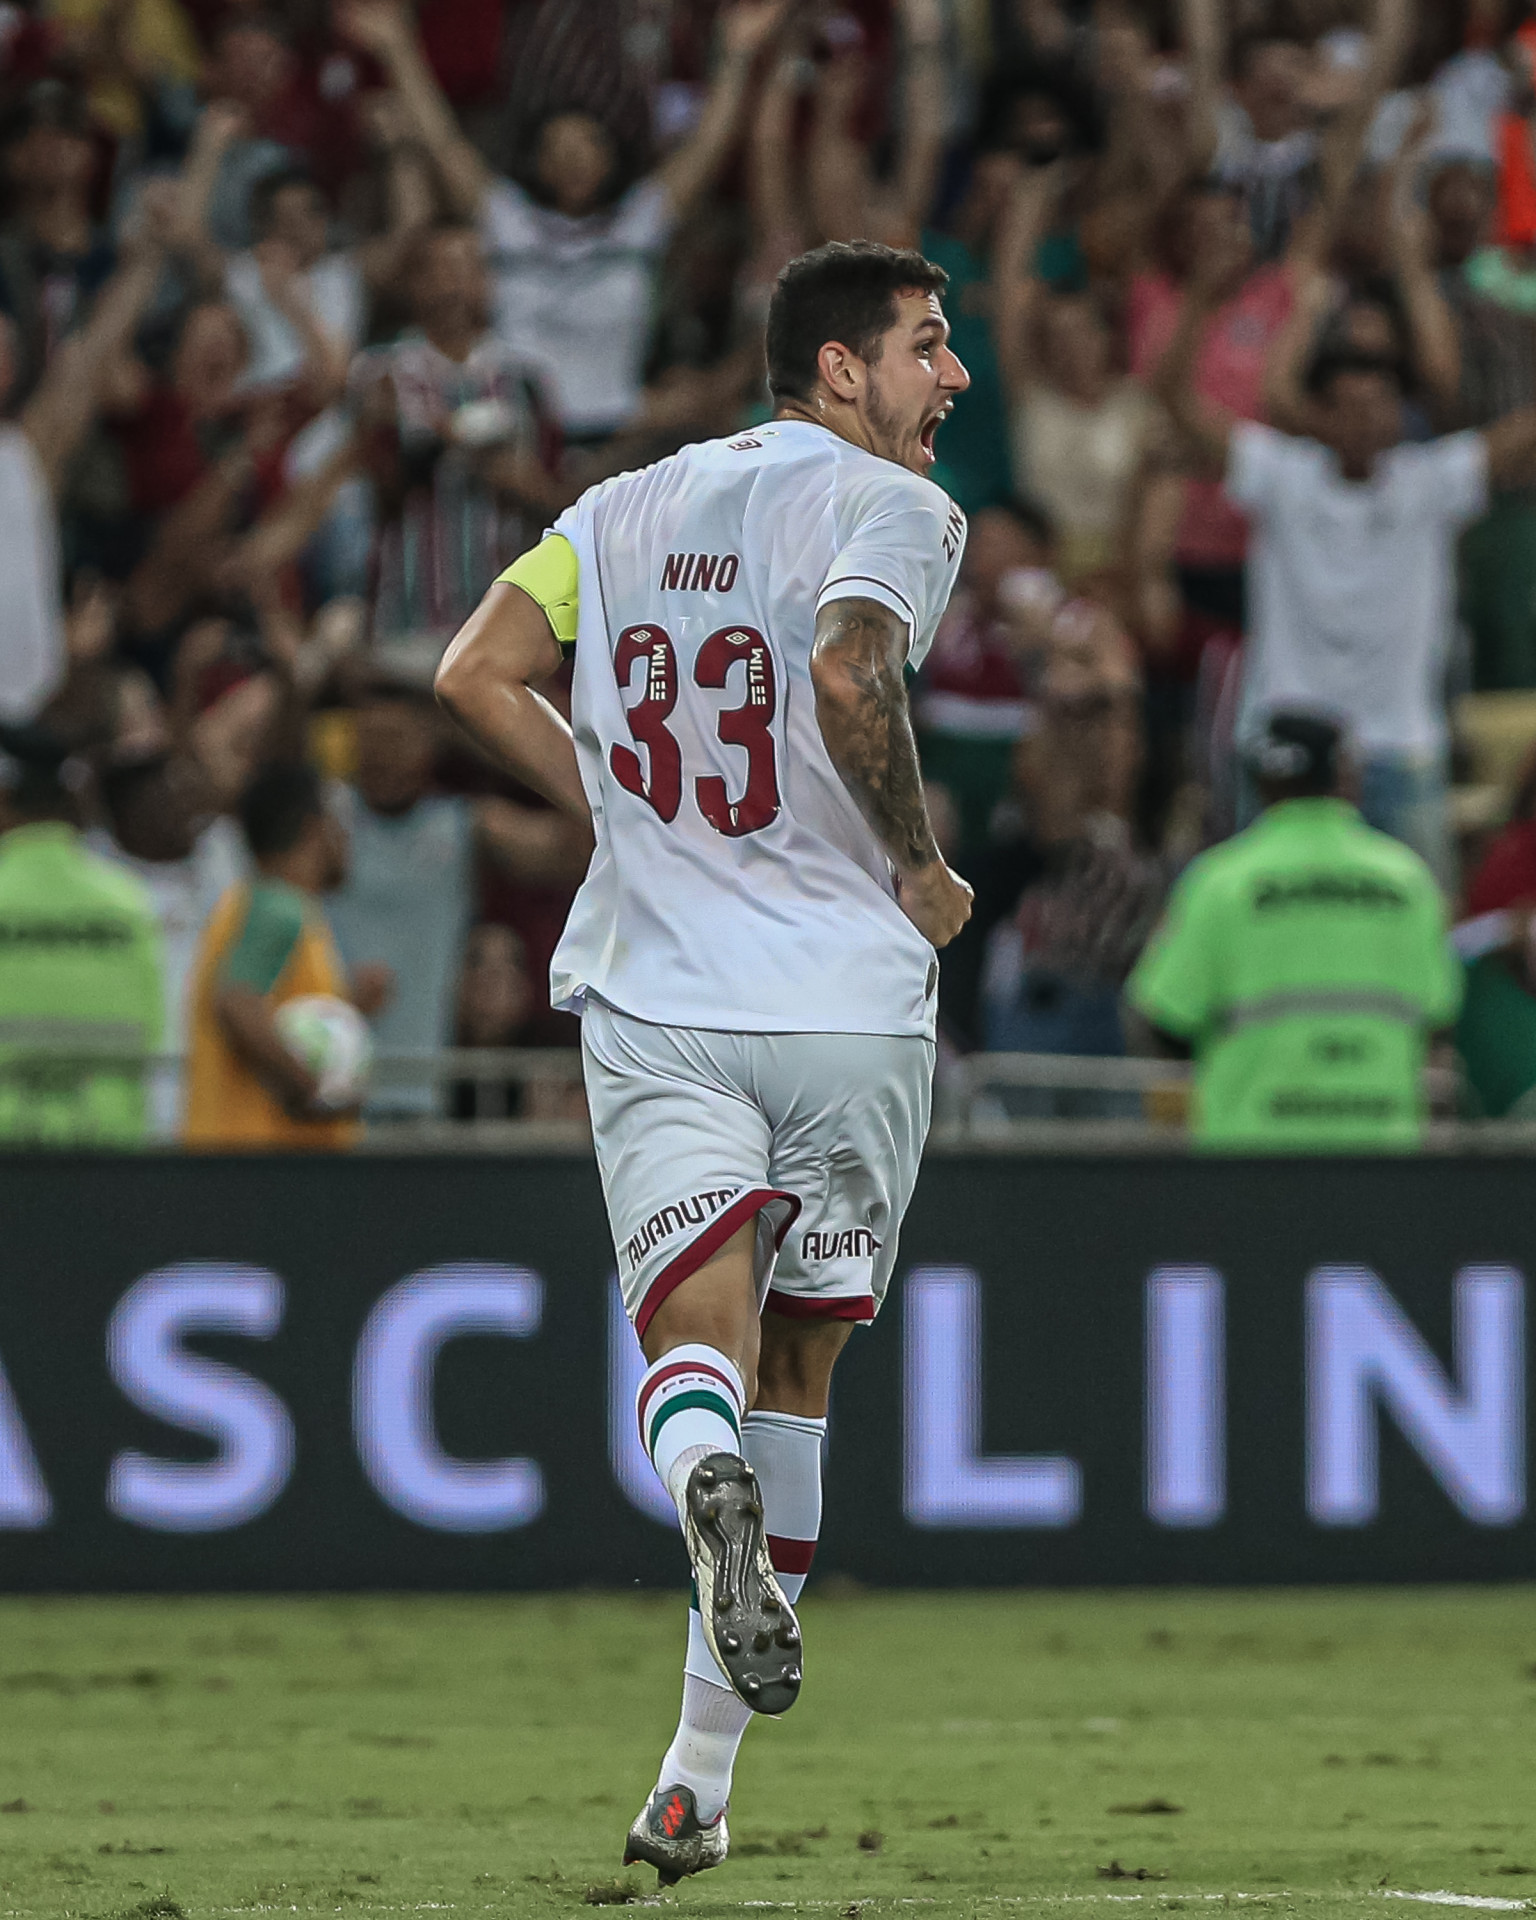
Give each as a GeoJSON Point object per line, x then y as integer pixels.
{"type": "Point", "coordinates": [689, 1404]}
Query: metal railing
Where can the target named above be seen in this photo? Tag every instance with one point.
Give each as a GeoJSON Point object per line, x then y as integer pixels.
{"type": "Point", "coordinates": [990, 1102]}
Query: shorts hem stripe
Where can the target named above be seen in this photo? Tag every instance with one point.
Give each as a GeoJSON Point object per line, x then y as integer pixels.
{"type": "Point", "coordinates": [685, 1264]}
{"type": "Point", "coordinates": [800, 1306]}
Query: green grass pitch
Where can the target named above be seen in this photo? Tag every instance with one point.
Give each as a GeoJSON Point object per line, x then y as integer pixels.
{"type": "Point", "coordinates": [1322, 1753]}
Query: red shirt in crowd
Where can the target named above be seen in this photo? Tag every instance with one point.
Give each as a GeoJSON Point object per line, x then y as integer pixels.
{"type": "Point", "coordinates": [167, 452]}
{"type": "Point", "coordinates": [1507, 877]}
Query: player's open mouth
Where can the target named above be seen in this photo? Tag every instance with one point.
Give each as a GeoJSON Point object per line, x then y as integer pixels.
{"type": "Point", "coordinates": [930, 428]}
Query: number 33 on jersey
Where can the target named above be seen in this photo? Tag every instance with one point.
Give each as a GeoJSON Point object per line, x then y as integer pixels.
{"type": "Point", "coordinates": [735, 885]}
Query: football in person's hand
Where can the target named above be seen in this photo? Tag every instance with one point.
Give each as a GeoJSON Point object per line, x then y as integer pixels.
{"type": "Point", "coordinates": [332, 1039]}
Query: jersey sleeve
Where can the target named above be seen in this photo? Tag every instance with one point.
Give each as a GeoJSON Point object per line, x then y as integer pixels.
{"type": "Point", "coordinates": [1174, 982]}
{"type": "Point", "coordinates": [274, 922]}
{"type": "Point", "coordinates": [549, 573]}
{"type": "Point", "coordinates": [902, 549]}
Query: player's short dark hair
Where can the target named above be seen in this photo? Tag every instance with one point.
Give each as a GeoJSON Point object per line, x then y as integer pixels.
{"type": "Point", "coordinates": [277, 806]}
{"type": "Point", "coordinates": [270, 185]}
{"type": "Point", "coordinates": [844, 291]}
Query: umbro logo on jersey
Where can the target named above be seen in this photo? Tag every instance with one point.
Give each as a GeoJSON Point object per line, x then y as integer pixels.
{"type": "Point", "coordinates": [672, 1218]}
{"type": "Point", "coordinates": [700, 572]}
{"type": "Point", "coordinates": [853, 1243]}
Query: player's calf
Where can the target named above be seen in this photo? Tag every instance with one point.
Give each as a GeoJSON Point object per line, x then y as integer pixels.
{"type": "Point", "coordinates": [690, 1403]}
{"type": "Point", "coordinates": [690, 1406]}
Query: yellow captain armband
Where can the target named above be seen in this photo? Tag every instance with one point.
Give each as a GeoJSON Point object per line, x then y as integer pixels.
{"type": "Point", "coordinates": [548, 573]}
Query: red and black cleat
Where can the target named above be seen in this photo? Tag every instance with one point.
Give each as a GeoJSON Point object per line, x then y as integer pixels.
{"type": "Point", "coordinates": [669, 1836]}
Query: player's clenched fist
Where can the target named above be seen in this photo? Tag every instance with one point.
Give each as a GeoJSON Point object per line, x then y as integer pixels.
{"type": "Point", "coordinates": [937, 902]}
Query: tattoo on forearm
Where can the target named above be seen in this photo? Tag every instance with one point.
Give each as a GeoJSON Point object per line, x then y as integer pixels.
{"type": "Point", "coordinates": [861, 707]}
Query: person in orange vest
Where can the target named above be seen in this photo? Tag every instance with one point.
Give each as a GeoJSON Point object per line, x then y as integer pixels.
{"type": "Point", "coordinates": [267, 942]}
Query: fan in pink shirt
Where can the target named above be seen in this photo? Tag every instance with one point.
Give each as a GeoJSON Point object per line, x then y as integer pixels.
{"type": "Point", "coordinates": [1213, 535]}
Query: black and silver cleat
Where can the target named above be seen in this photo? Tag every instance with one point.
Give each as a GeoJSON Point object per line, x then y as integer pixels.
{"type": "Point", "coordinates": [751, 1628]}
{"type": "Point", "coordinates": [669, 1836]}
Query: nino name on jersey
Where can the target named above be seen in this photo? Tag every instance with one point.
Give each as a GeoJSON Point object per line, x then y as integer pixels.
{"type": "Point", "coordinates": [735, 885]}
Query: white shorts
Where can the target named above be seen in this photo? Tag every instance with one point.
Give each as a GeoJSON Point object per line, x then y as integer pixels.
{"type": "Point", "coordinates": [817, 1135]}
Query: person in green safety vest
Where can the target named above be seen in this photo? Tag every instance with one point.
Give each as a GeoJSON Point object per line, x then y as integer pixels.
{"type": "Point", "coordinates": [1304, 965]}
{"type": "Point", "coordinates": [81, 973]}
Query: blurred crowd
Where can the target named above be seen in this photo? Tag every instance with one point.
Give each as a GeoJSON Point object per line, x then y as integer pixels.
{"type": "Point", "coordinates": [314, 314]}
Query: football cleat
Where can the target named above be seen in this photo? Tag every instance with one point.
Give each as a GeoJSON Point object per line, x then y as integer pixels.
{"type": "Point", "coordinates": [749, 1625]}
{"type": "Point", "coordinates": [669, 1836]}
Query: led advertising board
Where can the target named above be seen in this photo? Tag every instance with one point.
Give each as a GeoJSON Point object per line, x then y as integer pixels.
{"type": "Point", "coordinates": [415, 1373]}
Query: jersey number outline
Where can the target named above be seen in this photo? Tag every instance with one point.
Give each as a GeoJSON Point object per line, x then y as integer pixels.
{"type": "Point", "coordinates": [748, 726]}
{"type": "Point", "coordinates": [648, 721]}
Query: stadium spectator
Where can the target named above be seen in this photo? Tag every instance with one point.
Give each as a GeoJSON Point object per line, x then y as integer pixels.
{"type": "Point", "coordinates": [1252, 168]}
{"type": "Point", "coordinates": [1084, 895]}
{"type": "Point", "coordinates": [404, 909]}
{"type": "Point", "coordinates": [1304, 964]}
{"type": "Point", "coordinates": [457, 435]}
{"type": "Point", "coordinates": [574, 253]}
{"type": "Point", "coordinates": [495, 998]}
{"type": "Point", "coordinates": [1082, 431]}
{"type": "Point", "coordinates": [81, 968]}
{"type": "Point", "coordinates": [1187, 524]}
{"type": "Point", "coordinates": [969, 706]}
{"type": "Point", "coordinates": [1496, 1033]}
{"type": "Point", "coordinates": [297, 255]}
{"type": "Point", "coordinates": [267, 943]}
{"type": "Point", "coordinates": [276, 409]}
{"type": "Point", "coordinates": [36, 451]}
{"type": "Point", "coordinates": [159, 827]}
{"type": "Point", "coordinates": [281, 117]}
{"type": "Point", "coordinates": [54, 253]}
{"type": "Point", "coordinates": [975, 462]}
{"type": "Point", "coordinates": [1353, 573]}
{"type": "Point", "coordinates": [1498, 375]}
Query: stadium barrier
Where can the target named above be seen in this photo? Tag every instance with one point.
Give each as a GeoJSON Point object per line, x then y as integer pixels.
{"type": "Point", "coordinates": [1030, 1102]}
{"type": "Point", "coordinates": [413, 1372]}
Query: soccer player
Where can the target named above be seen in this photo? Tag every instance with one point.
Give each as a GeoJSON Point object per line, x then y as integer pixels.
{"type": "Point", "coordinates": [753, 949]}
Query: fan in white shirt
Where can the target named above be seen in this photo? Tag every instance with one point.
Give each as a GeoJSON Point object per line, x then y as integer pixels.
{"type": "Point", "coordinates": [35, 451]}
{"type": "Point", "coordinates": [573, 264]}
{"type": "Point", "coordinates": [1353, 562]}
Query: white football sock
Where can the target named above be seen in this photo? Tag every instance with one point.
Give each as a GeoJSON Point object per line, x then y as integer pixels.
{"type": "Point", "coordinates": [703, 1750]}
{"type": "Point", "coordinates": [784, 1450]}
{"type": "Point", "coordinates": [689, 1404]}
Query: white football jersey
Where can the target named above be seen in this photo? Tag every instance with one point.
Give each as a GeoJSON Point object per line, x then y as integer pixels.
{"type": "Point", "coordinates": [735, 884]}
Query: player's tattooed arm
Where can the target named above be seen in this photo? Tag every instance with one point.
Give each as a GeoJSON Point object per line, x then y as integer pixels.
{"type": "Point", "coordinates": [857, 659]}
{"type": "Point", "coordinates": [857, 662]}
